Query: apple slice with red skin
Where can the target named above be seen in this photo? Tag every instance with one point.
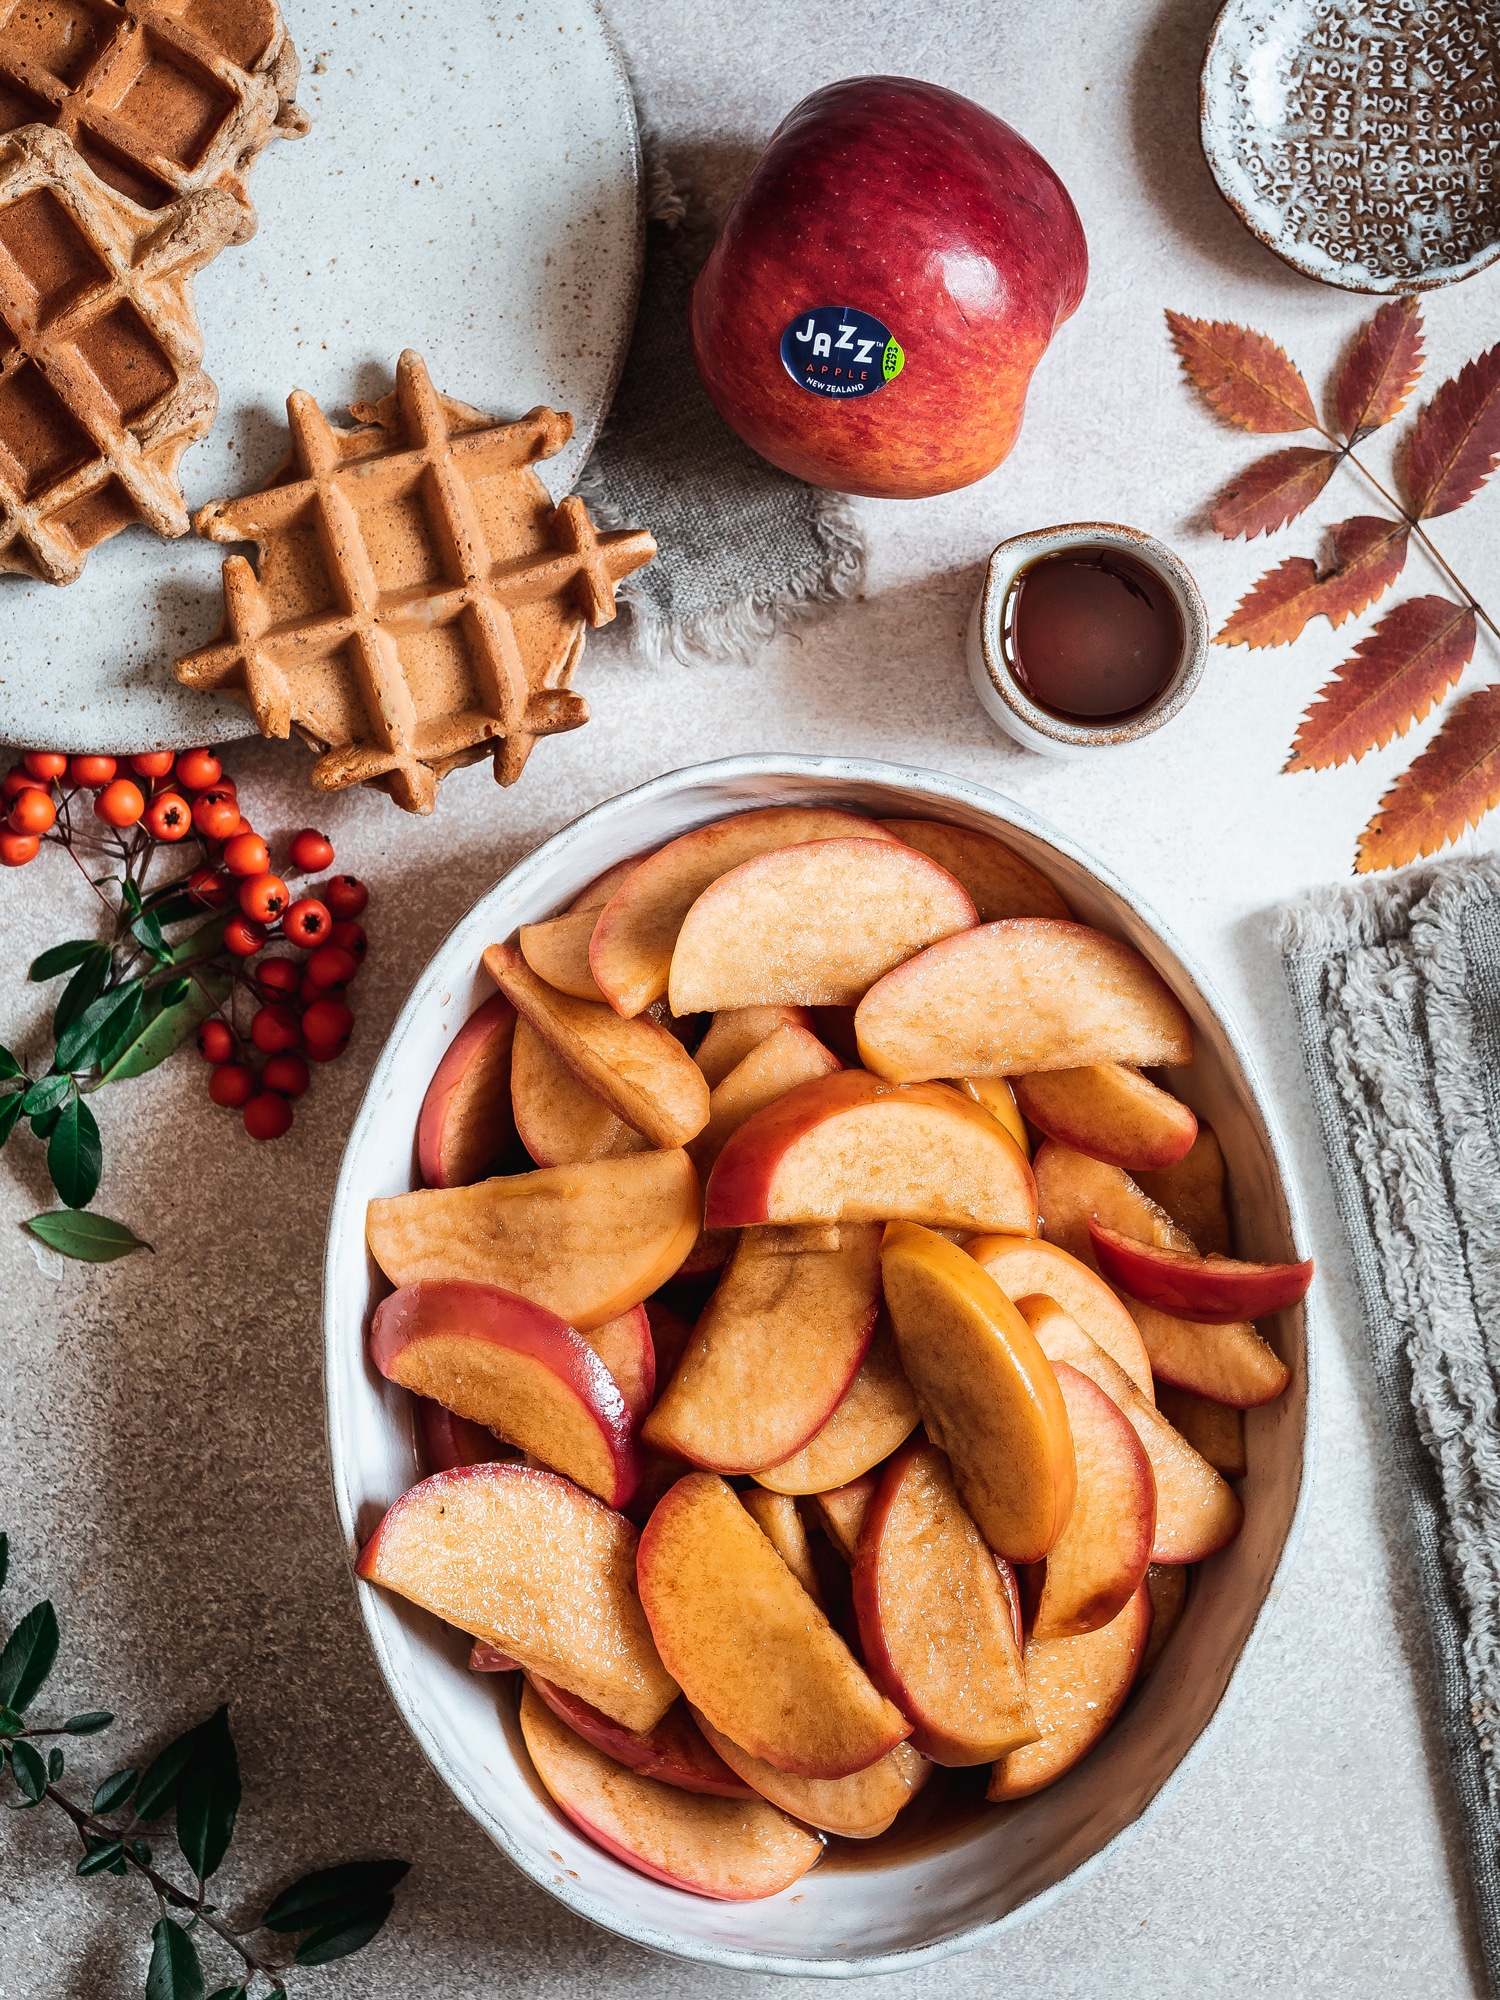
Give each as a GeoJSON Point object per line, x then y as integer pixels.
{"type": "Point", "coordinates": [787, 1057]}
{"type": "Point", "coordinates": [1196, 1512]}
{"type": "Point", "coordinates": [775, 1514]}
{"type": "Point", "coordinates": [1076, 1688]}
{"type": "Point", "coordinates": [994, 1095]}
{"type": "Point", "coordinates": [877, 1412]}
{"type": "Point", "coordinates": [1028, 993]}
{"type": "Point", "coordinates": [587, 1241]}
{"type": "Point", "coordinates": [1074, 1190]}
{"type": "Point", "coordinates": [1167, 1585]}
{"type": "Point", "coordinates": [1099, 1561]}
{"type": "Point", "coordinates": [999, 882]}
{"type": "Point", "coordinates": [733, 1850]}
{"type": "Point", "coordinates": [599, 891]}
{"type": "Point", "coordinates": [1109, 1111]}
{"type": "Point", "coordinates": [448, 1440]}
{"type": "Point", "coordinates": [1192, 1193]}
{"type": "Point", "coordinates": [858, 1807]}
{"type": "Point", "coordinates": [849, 1148]}
{"type": "Point", "coordinates": [732, 1034]}
{"type": "Point", "coordinates": [1023, 1265]}
{"type": "Point", "coordinates": [843, 1510]}
{"type": "Point", "coordinates": [1216, 1431]}
{"type": "Point", "coordinates": [774, 1350]}
{"type": "Point", "coordinates": [813, 926]}
{"type": "Point", "coordinates": [539, 1568]}
{"type": "Point", "coordinates": [631, 950]}
{"type": "Point", "coordinates": [516, 1368]}
{"type": "Point", "coordinates": [674, 1752]}
{"type": "Point", "coordinates": [465, 1121]}
{"type": "Point", "coordinates": [625, 1346]}
{"type": "Point", "coordinates": [987, 1393]}
{"type": "Point", "coordinates": [936, 1627]}
{"type": "Point", "coordinates": [643, 1073]}
{"type": "Point", "coordinates": [487, 1659]}
{"type": "Point", "coordinates": [1227, 1364]}
{"type": "Point", "coordinates": [749, 1647]}
{"type": "Point", "coordinates": [558, 951]}
{"type": "Point", "coordinates": [558, 1118]}
{"type": "Point", "coordinates": [1212, 1291]}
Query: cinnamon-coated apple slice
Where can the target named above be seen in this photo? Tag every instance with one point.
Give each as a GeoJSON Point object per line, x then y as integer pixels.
{"type": "Point", "coordinates": [1216, 1431]}
{"type": "Point", "coordinates": [876, 1413]}
{"type": "Point", "coordinates": [1227, 1364]}
{"type": "Point", "coordinates": [1196, 1512]}
{"type": "Point", "coordinates": [586, 1241]}
{"type": "Point", "coordinates": [994, 1095]}
{"type": "Point", "coordinates": [465, 1121]}
{"type": "Point", "coordinates": [1214, 1291]}
{"type": "Point", "coordinates": [814, 925]}
{"type": "Point", "coordinates": [487, 1659]}
{"type": "Point", "coordinates": [1021, 1265]}
{"type": "Point", "coordinates": [558, 951]}
{"type": "Point", "coordinates": [786, 1057]}
{"type": "Point", "coordinates": [1099, 1560]}
{"type": "Point", "coordinates": [773, 1351]}
{"type": "Point", "coordinates": [631, 950]}
{"type": "Point", "coordinates": [775, 1514]}
{"type": "Point", "coordinates": [857, 1807]}
{"type": "Point", "coordinates": [670, 1334]}
{"type": "Point", "coordinates": [625, 1346]}
{"type": "Point", "coordinates": [1167, 1586]}
{"type": "Point", "coordinates": [749, 1647]}
{"type": "Point", "coordinates": [1076, 1688]}
{"type": "Point", "coordinates": [1000, 883]}
{"type": "Point", "coordinates": [937, 1629]}
{"type": "Point", "coordinates": [1109, 1111]}
{"type": "Point", "coordinates": [843, 1510]}
{"type": "Point", "coordinates": [674, 1752]}
{"type": "Point", "coordinates": [988, 1395]}
{"type": "Point", "coordinates": [643, 1073]}
{"type": "Point", "coordinates": [540, 1569]}
{"type": "Point", "coordinates": [733, 1850]}
{"type": "Point", "coordinates": [558, 1118]}
{"type": "Point", "coordinates": [1074, 1190]}
{"type": "Point", "coordinates": [1192, 1193]}
{"type": "Point", "coordinates": [849, 1148]}
{"type": "Point", "coordinates": [515, 1368]}
{"type": "Point", "coordinates": [1029, 993]}
{"type": "Point", "coordinates": [448, 1440]}
{"type": "Point", "coordinates": [732, 1034]}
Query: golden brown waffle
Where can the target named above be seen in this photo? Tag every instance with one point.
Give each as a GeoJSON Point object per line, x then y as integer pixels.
{"type": "Point", "coordinates": [162, 98]}
{"type": "Point", "coordinates": [420, 601]}
{"type": "Point", "coordinates": [101, 383]}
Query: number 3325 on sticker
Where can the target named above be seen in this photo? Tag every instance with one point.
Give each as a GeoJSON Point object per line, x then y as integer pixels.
{"type": "Point", "coordinates": [840, 351]}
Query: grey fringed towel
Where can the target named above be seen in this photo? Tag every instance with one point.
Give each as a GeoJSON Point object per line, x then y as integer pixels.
{"type": "Point", "coordinates": [1396, 985]}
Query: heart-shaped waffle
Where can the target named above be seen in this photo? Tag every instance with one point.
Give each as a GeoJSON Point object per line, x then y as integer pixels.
{"type": "Point", "coordinates": [420, 602]}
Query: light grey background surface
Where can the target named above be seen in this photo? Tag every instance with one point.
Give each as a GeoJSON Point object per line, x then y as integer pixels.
{"type": "Point", "coordinates": [161, 1456]}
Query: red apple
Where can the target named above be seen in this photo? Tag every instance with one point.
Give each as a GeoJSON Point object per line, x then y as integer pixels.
{"type": "Point", "coordinates": [1215, 1291]}
{"type": "Point", "coordinates": [941, 241]}
{"type": "Point", "coordinates": [465, 1121]}
{"type": "Point", "coordinates": [448, 1440]}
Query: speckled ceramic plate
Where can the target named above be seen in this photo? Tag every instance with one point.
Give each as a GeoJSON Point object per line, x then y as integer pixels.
{"type": "Point", "coordinates": [471, 188]}
{"type": "Point", "coordinates": [1361, 143]}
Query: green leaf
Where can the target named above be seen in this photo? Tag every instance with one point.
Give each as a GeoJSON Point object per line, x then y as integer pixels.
{"type": "Point", "coordinates": [45, 1095]}
{"type": "Point", "coordinates": [203, 942]}
{"type": "Point", "coordinates": [208, 1796]}
{"type": "Point", "coordinates": [56, 1764]}
{"type": "Point", "coordinates": [75, 1155]}
{"type": "Point", "coordinates": [172, 904]}
{"type": "Point", "coordinates": [115, 1791]}
{"type": "Point", "coordinates": [320, 1897]}
{"type": "Point", "coordinates": [42, 1127]}
{"type": "Point", "coordinates": [61, 958]}
{"type": "Point", "coordinates": [168, 1029]}
{"type": "Point", "coordinates": [11, 1724]}
{"type": "Point", "coordinates": [140, 1851]}
{"type": "Point", "coordinates": [174, 991]}
{"type": "Point", "coordinates": [158, 1791]}
{"type": "Point", "coordinates": [29, 1772]}
{"type": "Point", "coordinates": [92, 1239]}
{"type": "Point", "coordinates": [343, 1936]}
{"type": "Point", "coordinates": [147, 931]}
{"type": "Point", "coordinates": [102, 1854]}
{"type": "Point", "coordinates": [82, 989]}
{"type": "Point", "coordinates": [10, 1111]}
{"type": "Point", "coordinates": [101, 1021]}
{"type": "Point", "coordinates": [131, 896]}
{"type": "Point", "coordinates": [89, 1723]}
{"type": "Point", "coordinates": [9, 1067]}
{"type": "Point", "coordinates": [4, 1558]}
{"type": "Point", "coordinates": [231, 1993]}
{"type": "Point", "coordinates": [174, 1972]}
{"type": "Point", "coordinates": [28, 1657]}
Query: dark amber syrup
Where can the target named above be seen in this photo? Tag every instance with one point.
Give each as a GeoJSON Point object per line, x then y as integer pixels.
{"type": "Point", "coordinates": [1091, 634]}
{"type": "Point", "coordinates": [948, 1805]}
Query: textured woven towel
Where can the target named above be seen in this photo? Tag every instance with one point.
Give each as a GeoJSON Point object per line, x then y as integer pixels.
{"type": "Point", "coordinates": [1396, 985]}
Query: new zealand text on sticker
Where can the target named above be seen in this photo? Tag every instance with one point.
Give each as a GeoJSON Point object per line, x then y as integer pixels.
{"type": "Point", "coordinates": [840, 351]}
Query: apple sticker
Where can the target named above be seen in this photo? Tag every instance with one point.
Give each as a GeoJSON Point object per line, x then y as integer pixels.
{"type": "Point", "coordinates": [841, 351]}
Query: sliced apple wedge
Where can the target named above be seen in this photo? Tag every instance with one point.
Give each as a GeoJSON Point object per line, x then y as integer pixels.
{"type": "Point", "coordinates": [599, 891]}
{"type": "Point", "coordinates": [1227, 1364]}
{"type": "Point", "coordinates": [994, 1095]}
{"type": "Point", "coordinates": [670, 1334]}
{"type": "Point", "coordinates": [1196, 1512]}
{"type": "Point", "coordinates": [843, 1512]}
{"type": "Point", "coordinates": [774, 1351]}
{"type": "Point", "coordinates": [559, 1120]}
{"type": "Point", "coordinates": [849, 1148]}
{"type": "Point", "coordinates": [587, 1241]}
{"type": "Point", "coordinates": [786, 1057]}
{"type": "Point", "coordinates": [447, 1440]}
{"type": "Point", "coordinates": [1167, 1586]}
{"type": "Point", "coordinates": [999, 882]}
{"type": "Point", "coordinates": [812, 926]}
{"type": "Point", "coordinates": [631, 951]}
{"type": "Point", "coordinates": [1214, 1291]}
{"type": "Point", "coordinates": [775, 1514]}
{"type": "Point", "coordinates": [625, 1346]}
{"type": "Point", "coordinates": [487, 1659]}
{"type": "Point", "coordinates": [1074, 1190]}
{"type": "Point", "coordinates": [1076, 1688]}
{"type": "Point", "coordinates": [1216, 1431]}
{"type": "Point", "coordinates": [987, 1393]}
{"type": "Point", "coordinates": [1026, 994]}
{"type": "Point", "coordinates": [1022, 1265]}
{"type": "Point", "coordinates": [734, 1850]}
{"type": "Point", "coordinates": [858, 1807]}
{"type": "Point", "coordinates": [674, 1752]}
{"type": "Point", "coordinates": [1099, 1561]}
{"type": "Point", "coordinates": [1192, 1193]}
{"type": "Point", "coordinates": [540, 1569]}
{"type": "Point", "coordinates": [731, 1036]}
{"type": "Point", "coordinates": [643, 1073]}
{"type": "Point", "coordinates": [752, 1651]}
{"type": "Point", "coordinates": [558, 951]}
{"type": "Point", "coordinates": [936, 1626]}
{"type": "Point", "coordinates": [465, 1122]}
{"type": "Point", "coordinates": [1109, 1111]}
{"type": "Point", "coordinates": [877, 1412]}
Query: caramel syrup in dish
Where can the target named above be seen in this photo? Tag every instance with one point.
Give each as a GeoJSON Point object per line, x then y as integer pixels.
{"type": "Point", "coordinates": [1091, 634]}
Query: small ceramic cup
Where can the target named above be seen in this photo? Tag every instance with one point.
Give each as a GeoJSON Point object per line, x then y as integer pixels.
{"type": "Point", "coordinates": [1004, 699]}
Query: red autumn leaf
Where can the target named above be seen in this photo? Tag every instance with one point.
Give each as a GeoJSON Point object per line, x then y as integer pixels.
{"type": "Point", "coordinates": [1245, 375]}
{"type": "Point", "coordinates": [1455, 442]}
{"type": "Point", "coordinates": [1414, 655]}
{"type": "Point", "coordinates": [1272, 491]}
{"type": "Point", "coordinates": [1381, 370]}
{"type": "Point", "coordinates": [1368, 555]}
{"type": "Point", "coordinates": [1451, 786]}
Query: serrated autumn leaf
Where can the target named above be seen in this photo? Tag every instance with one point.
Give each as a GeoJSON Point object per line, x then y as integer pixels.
{"type": "Point", "coordinates": [1395, 675]}
{"type": "Point", "coordinates": [1381, 370]}
{"type": "Point", "coordinates": [1450, 787]}
{"type": "Point", "coordinates": [1368, 553]}
{"type": "Point", "coordinates": [1455, 442]}
{"type": "Point", "coordinates": [1244, 375]}
{"type": "Point", "coordinates": [1272, 491]}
